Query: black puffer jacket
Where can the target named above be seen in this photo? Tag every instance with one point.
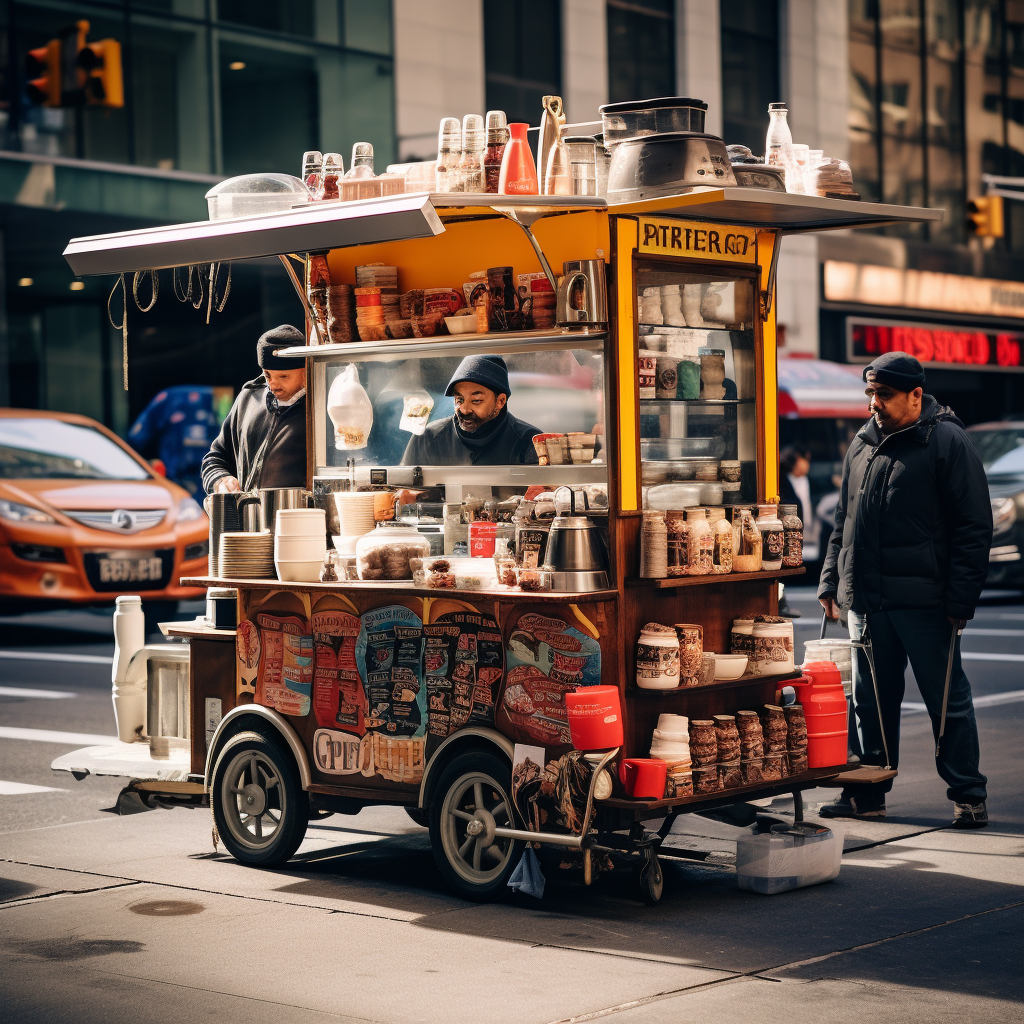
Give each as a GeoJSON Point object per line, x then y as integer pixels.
{"type": "Point", "coordinates": [914, 520]}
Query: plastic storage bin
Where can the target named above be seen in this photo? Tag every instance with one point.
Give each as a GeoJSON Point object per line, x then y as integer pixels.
{"type": "Point", "coordinates": [789, 857]}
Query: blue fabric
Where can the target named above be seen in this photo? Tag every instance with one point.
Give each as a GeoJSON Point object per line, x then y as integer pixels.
{"type": "Point", "coordinates": [177, 427]}
{"type": "Point", "coordinates": [922, 636]}
{"type": "Point", "coordinates": [528, 876]}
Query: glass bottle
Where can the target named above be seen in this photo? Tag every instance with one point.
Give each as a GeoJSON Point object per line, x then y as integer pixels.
{"type": "Point", "coordinates": [474, 147]}
{"type": "Point", "coordinates": [582, 164]}
{"type": "Point", "coordinates": [558, 174]}
{"type": "Point", "coordinates": [779, 136]}
{"type": "Point", "coordinates": [312, 162]}
{"type": "Point", "coordinates": [678, 538]}
{"type": "Point", "coordinates": [746, 542]}
{"type": "Point", "coordinates": [362, 161]}
{"type": "Point", "coordinates": [772, 537]}
{"type": "Point", "coordinates": [793, 536]}
{"type": "Point", "coordinates": [700, 542]}
{"type": "Point", "coordinates": [331, 172]}
{"type": "Point", "coordinates": [449, 142]}
{"type": "Point", "coordinates": [497, 137]}
{"type": "Point", "coordinates": [721, 556]}
{"type": "Point", "coordinates": [518, 171]}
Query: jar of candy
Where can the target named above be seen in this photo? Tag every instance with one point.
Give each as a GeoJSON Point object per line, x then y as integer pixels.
{"type": "Point", "coordinates": [793, 536]}
{"type": "Point", "coordinates": [700, 542]}
{"type": "Point", "coordinates": [746, 540]}
{"type": "Point", "coordinates": [678, 542]}
{"type": "Point", "coordinates": [772, 537]}
{"type": "Point", "coordinates": [721, 529]}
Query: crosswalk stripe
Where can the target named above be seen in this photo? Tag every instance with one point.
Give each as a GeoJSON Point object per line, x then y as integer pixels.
{"type": "Point", "coordinates": [978, 656]}
{"type": "Point", "coordinates": [88, 739]}
{"type": "Point", "coordinates": [24, 691]}
{"type": "Point", "coordinates": [990, 700]}
{"type": "Point", "coordinates": [22, 788]}
{"type": "Point", "coordinates": [74, 659]}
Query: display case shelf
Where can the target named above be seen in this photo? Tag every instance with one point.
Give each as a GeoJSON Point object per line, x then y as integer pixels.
{"type": "Point", "coordinates": [695, 401]}
{"type": "Point", "coordinates": [725, 577]}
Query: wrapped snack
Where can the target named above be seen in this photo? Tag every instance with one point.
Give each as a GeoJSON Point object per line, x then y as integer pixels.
{"type": "Point", "coordinates": [416, 409]}
{"type": "Point", "coordinates": [350, 410]}
{"type": "Point", "coordinates": [441, 581]}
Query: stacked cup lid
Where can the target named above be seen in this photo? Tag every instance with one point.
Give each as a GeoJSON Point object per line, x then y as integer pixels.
{"type": "Point", "coordinates": [355, 517]}
{"type": "Point", "coordinates": [246, 556]}
{"type": "Point", "coordinates": [300, 543]}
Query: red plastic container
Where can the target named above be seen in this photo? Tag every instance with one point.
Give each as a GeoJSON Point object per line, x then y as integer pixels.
{"type": "Point", "coordinates": [518, 175]}
{"type": "Point", "coordinates": [643, 777]}
{"type": "Point", "coordinates": [595, 717]}
{"type": "Point", "coordinates": [820, 691]}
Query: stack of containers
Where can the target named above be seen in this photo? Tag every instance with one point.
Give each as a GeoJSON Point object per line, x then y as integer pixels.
{"type": "Point", "coordinates": [728, 739]}
{"type": "Point", "coordinates": [300, 544]}
{"type": "Point", "coordinates": [773, 723]}
{"type": "Point", "coordinates": [751, 746]}
{"type": "Point", "coordinates": [704, 756]}
{"type": "Point", "coordinates": [355, 517]}
{"type": "Point", "coordinates": [671, 743]}
{"type": "Point", "coordinates": [796, 738]}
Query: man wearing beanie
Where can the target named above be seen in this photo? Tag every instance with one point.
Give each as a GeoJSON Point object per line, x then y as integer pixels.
{"type": "Point", "coordinates": [906, 563]}
{"type": "Point", "coordinates": [262, 442]}
{"type": "Point", "coordinates": [482, 432]}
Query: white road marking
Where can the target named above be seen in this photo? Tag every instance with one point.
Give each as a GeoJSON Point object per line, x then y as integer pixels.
{"type": "Point", "coordinates": [971, 631]}
{"type": "Point", "coordinates": [75, 659]}
{"type": "Point", "coordinates": [990, 700]}
{"type": "Point", "coordinates": [22, 691]}
{"type": "Point", "coordinates": [84, 739]}
{"type": "Point", "coordinates": [978, 656]}
{"type": "Point", "coordinates": [22, 788]}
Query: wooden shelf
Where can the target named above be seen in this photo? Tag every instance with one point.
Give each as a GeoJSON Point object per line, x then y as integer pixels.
{"type": "Point", "coordinates": [726, 577]}
{"type": "Point", "coordinates": [718, 684]}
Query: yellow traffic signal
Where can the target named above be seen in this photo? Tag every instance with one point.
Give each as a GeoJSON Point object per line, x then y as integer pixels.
{"type": "Point", "coordinates": [985, 216]}
{"type": "Point", "coordinates": [45, 89]}
{"type": "Point", "coordinates": [104, 86]}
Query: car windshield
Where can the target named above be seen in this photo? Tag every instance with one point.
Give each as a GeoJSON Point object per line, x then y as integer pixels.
{"type": "Point", "coordinates": [44, 449]}
{"type": "Point", "coordinates": [995, 443]}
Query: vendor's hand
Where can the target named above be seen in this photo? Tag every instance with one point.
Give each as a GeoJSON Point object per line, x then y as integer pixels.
{"type": "Point", "coordinates": [958, 624]}
{"type": "Point", "coordinates": [227, 484]}
{"type": "Point", "coordinates": [831, 608]}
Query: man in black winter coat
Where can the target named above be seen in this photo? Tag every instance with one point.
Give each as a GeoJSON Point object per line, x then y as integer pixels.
{"type": "Point", "coordinates": [262, 442]}
{"type": "Point", "coordinates": [907, 563]}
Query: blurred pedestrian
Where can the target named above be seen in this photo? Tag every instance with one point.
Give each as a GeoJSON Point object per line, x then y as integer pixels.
{"type": "Point", "coordinates": [907, 563]}
{"type": "Point", "coordinates": [795, 489]}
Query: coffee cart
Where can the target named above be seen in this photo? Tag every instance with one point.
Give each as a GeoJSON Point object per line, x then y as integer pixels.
{"type": "Point", "coordinates": [420, 697]}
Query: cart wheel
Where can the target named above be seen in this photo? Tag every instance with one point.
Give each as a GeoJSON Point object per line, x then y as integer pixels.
{"type": "Point", "coordinates": [469, 801]}
{"type": "Point", "coordinates": [259, 806]}
{"type": "Point", "coordinates": [652, 880]}
{"type": "Point", "coordinates": [420, 815]}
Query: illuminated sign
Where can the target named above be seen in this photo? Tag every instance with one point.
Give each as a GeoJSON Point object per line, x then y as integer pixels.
{"type": "Point", "coordinates": [869, 285]}
{"type": "Point", "coordinates": [934, 346]}
{"type": "Point", "coordinates": [696, 239]}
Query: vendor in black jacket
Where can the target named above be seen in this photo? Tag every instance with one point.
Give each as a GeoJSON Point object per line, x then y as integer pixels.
{"type": "Point", "coordinates": [907, 562]}
{"type": "Point", "coordinates": [482, 432]}
{"type": "Point", "coordinates": [262, 443]}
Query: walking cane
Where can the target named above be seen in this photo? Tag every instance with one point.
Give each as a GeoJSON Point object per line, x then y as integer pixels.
{"type": "Point", "coordinates": [945, 688]}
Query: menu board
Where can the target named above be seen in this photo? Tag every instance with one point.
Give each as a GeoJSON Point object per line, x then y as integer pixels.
{"type": "Point", "coordinates": [339, 701]}
{"type": "Point", "coordinates": [464, 661]}
{"type": "Point", "coordinates": [389, 656]}
{"type": "Point", "coordinates": [285, 674]}
{"type": "Point", "coordinates": [546, 657]}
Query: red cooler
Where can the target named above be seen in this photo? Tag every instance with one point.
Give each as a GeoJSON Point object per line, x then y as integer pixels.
{"type": "Point", "coordinates": [595, 717]}
{"type": "Point", "coordinates": [820, 691]}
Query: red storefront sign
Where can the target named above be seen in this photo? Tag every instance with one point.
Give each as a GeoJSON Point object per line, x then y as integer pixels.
{"type": "Point", "coordinates": [933, 345]}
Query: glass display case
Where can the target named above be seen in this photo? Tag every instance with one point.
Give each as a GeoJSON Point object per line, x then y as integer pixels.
{"type": "Point", "coordinates": [697, 386]}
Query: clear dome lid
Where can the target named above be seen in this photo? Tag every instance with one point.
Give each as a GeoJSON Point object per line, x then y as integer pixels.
{"type": "Point", "coordinates": [497, 128]}
{"type": "Point", "coordinates": [449, 135]}
{"type": "Point", "coordinates": [474, 137]}
{"type": "Point", "coordinates": [259, 184]}
{"type": "Point", "coordinates": [362, 161]}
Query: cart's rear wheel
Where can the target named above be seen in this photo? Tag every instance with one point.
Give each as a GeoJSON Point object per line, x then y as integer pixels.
{"type": "Point", "coordinates": [652, 880]}
{"type": "Point", "coordinates": [470, 800]}
{"type": "Point", "coordinates": [420, 815]}
{"type": "Point", "coordinates": [259, 805]}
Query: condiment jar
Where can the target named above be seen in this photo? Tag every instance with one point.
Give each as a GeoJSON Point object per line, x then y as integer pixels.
{"type": "Point", "coordinates": [729, 470]}
{"type": "Point", "coordinates": [654, 546]}
{"type": "Point", "coordinates": [773, 648]}
{"type": "Point", "coordinates": [384, 553]}
{"type": "Point", "coordinates": [312, 163]}
{"type": "Point", "coordinates": [746, 540]}
{"type": "Point", "coordinates": [721, 553]}
{"type": "Point", "coordinates": [793, 536]}
{"type": "Point", "coordinates": [449, 141]}
{"type": "Point", "coordinates": [331, 172]}
{"type": "Point", "coordinates": [657, 658]}
{"type": "Point", "coordinates": [772, 537]}
{"type": "Point", "coordinates": [700, 542]}
{"type": "Point", "coordinates": [678, 542]}
{"type": "Point", "coordinates": [474, 147]}
{"type": "Point", "coordinates": [741, 638]}
{"type": "Point", "coordinates": [497, 136]}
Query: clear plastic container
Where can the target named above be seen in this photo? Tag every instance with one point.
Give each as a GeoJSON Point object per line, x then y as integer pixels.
{"type": "Point", "coordinates": [474, 148]}
{"type": "Point", "coordinates": [582, 150]}
{"type": "Point", "coordinates": [312, 161]}
{"type": "Point", "coordinates": [721, 528]}
{"type": "Point", "coordinates": [700, 542]}
{"type": "Point", "coordinates": [635, 119]}
{"type": "Point", "coordinates": [331, 172]}
{"type": "Point", "coordinates": [252, 194]}
{"type": "Point", "coordinates": [385, 553]}
{"type": "Point", "coordinates": [772, 537]}
{"type": "Point", "coordinates": [779, 137]}
{"type": "Point", "coordinates": [833, 179]}
{"type": "Point", "coordinates": [747, 542]}
{"type": "Point", "coordinates": [449, 145]}
{"type": "Point", "coordinates": [793, 536]}
{"type": "Point", "coordinates": [497, 136]}
{"type": "Point", "coordinates": [797, 157]}
{"type": "Point", "coordinates": [362, 161]}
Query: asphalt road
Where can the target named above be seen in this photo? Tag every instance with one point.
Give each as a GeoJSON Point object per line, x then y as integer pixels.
{"type": "Point", "coordinates": [99, 913]}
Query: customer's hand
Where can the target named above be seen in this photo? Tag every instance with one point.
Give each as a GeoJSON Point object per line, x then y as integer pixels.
{"type": "Point", "coordinates": [958, 624]}
{"type": "Point", "coordinates": [831, 608]}
{"type": "Point", "coordinates": [227, 484]}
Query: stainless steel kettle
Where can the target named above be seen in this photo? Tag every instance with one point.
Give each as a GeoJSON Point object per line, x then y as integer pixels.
{"type": "Point", "coordinates": [582, 294]}
{"type": "Point", "coordinates": [576, 554]}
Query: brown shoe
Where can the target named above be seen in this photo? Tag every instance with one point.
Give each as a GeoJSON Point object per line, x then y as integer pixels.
{"type": "Point", "coordinates": [970, 815]}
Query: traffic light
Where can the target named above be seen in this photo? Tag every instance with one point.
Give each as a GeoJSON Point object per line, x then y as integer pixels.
{"type": "Point", "coordinates": [104, 85]}
{"type": "Point", "coordinates": [45, 88]}
{"type": "Point", "coordinates": [985, 216]}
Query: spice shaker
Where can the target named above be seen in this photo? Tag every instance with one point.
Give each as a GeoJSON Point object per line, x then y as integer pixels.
{"type": "Point", "coordinates": [474, 148]}
{"type": "Point", "coordinates": [449, 142]}
{"type": "Point", "coordinates": [312, 162]}
{"type": "Point", "coordinates": [497, 137]}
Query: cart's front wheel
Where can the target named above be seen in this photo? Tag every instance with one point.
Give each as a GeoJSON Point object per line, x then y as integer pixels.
{"type": "Point", "coordinates": [470, 800]}
{"type": "Point", "coordinates": [652, 880]}
{"type": "Point", "coordinates": [259, 805]}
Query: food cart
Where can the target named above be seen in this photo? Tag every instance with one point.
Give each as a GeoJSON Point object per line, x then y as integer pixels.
{"type": "Point", "coordinates": [329, 697]}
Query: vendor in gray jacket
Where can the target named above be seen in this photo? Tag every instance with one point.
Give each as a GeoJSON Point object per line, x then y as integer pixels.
{"type": "Point", "coordinates": [262, 442]}
{"type": "Point", "coordinates": [907, 562]}
{"type": "Point", "coordinates": [482, 432]}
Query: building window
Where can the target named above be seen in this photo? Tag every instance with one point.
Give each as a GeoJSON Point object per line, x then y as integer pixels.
{"type": "Point", "coordinates": [750, 69]}
{"type": "Point", "coordinates": [522, 55]}
{"type": "Point", "coordinates": [641, 49]}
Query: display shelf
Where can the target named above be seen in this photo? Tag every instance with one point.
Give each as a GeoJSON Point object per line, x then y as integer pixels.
{"type": "Point", "coordinates": [726, 577]}
{"type": "Point", "coordinates": [696, 401]}
{"type": "Point", "coordinates": [718, 684]}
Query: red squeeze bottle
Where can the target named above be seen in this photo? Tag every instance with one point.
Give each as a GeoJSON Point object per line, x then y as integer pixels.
{"type": "Point", "coordinates": [518, 170]}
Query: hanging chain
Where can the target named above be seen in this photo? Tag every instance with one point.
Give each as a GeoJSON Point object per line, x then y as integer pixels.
{"type": "Point", "coordinates": [154, 277]}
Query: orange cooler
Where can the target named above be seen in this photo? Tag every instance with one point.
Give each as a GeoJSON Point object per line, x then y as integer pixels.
{"type": "Point", "coordinates": [820, 691]}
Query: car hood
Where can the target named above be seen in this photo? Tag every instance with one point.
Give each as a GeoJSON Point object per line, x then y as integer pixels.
{"type": "Point", "coordinates": [91, 495]}
{"type": "Point", "coordinates": [1005, 485]}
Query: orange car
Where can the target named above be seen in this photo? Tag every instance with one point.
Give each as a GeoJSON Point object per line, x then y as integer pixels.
{"type": "Point", "coordinates": [83, 518]}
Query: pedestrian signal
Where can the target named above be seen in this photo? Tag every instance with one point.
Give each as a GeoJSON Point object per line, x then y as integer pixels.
{"type": "Point", "coordinates": [985, 216]}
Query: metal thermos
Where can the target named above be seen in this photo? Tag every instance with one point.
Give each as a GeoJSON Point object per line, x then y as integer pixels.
{"type": "Point", "coordinates": [273, 499]}
{"type": "Point", "coordinates": [582, 294]}
{"type": "Point", "coordinates": [222, 509]}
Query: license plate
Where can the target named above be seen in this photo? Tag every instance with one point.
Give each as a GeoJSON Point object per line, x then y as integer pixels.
{"type": "Point", "coordinates": [130, 570]}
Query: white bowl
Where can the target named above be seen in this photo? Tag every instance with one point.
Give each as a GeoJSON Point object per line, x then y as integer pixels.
{"type": "Point", "coordinates": [461, 324]}
{"type": "Point", "coordinates": [670, 722]}
{"type": "Point", "coordinates": [300, 522]}
{"type": "Point", "coordinates": [299, 571]}
{"type": "Point", "coordinates": [730, 666]}
{"type": "Point", "coordinates": [300, 549]}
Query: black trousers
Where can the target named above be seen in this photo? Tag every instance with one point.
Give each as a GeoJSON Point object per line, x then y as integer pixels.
{"type": "Point", "coordinates": [921, 636]}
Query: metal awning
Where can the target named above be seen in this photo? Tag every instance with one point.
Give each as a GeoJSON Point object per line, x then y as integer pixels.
{"type": "Point", "coordinates": [309, 228]}
{"type": "Point", "coordinates": [819, 389]}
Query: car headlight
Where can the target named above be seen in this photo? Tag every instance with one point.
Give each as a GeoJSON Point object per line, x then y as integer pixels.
{"type": "Point", "coordinates": [16, 513]}
{"type": "Point", "coordinates": [1004, 514]}
{"type": "Point", "coordinates": [189, 509]}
